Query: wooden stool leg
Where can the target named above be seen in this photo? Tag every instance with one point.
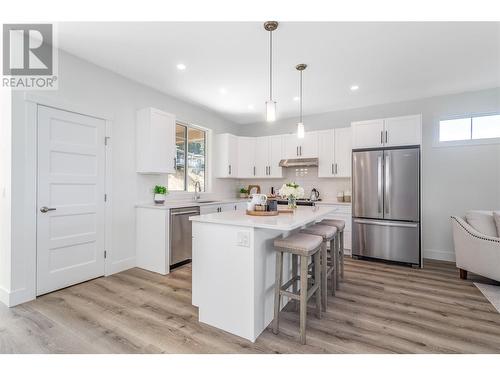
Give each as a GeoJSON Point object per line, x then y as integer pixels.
{"type": "Point", "coordinates": [277, 289]}
{"type": "Point", "coordinates": [318, 274]}
{"type": "Point", "coordinates": [324, 276]}
{"type": "Point", "coordinates": [337, 256]}
{"type": "Point", "coordinates": [332, 276]}
{"type": "Point", "coordinates": [342, 254]}
{"type": "Point", "coordinates": [303, 298]}
{"type": "Point", "coordinates": [295, 272]}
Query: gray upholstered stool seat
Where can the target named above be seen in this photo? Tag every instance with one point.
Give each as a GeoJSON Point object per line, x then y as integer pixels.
{"type": "Point", "coordinates": [325, 231]}
{"type": "Point", "coordinates": [301, 246]}
{"type": "Point", "coordinates": [328, 233]}
{"type": "Point", "coordinates": [298, 244]}
{"type": "Point", "coordinates": [340, 225]}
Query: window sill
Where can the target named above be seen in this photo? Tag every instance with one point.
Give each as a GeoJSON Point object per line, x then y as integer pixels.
{"type": "Point", "coordinates": [470, 142]}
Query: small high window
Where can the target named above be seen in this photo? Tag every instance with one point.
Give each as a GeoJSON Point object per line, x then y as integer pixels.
{"type": "Point", "coordinates": [469, 128]}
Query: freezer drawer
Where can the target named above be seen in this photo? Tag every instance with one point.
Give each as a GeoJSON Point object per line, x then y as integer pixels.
{"type": "Point", "coordinates": [388, 240]}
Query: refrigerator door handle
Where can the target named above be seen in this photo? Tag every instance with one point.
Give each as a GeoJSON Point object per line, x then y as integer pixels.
{"type": "Point", "coordinates": [379, 184]}
{"type": "Point", "coordinates": [386, 223]}
{"type": "Point", "coordinates": [387, 170]}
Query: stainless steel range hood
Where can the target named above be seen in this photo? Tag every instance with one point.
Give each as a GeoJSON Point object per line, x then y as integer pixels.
{"type": "Point", "coordinates": [304, 162]}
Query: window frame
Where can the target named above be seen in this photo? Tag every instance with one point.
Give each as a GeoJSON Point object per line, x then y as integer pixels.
{"type": "Point", "coordinates": [208, 134]}
{"type": "Point", "coordinates": [465, 142]}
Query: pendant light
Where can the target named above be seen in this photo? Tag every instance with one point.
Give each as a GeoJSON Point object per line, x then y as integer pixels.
{"type": "Point", "coordinates": [270, 104]}
{"type": "Point", "coordinates": [300, 124]}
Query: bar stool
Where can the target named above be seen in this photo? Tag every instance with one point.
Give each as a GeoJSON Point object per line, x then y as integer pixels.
{"type": "Point", "coordinates": [328, 234]}
{"type": "Point", "coordinates": [303, 246]}
{"type": "Point", "coordinates": [340, 225]}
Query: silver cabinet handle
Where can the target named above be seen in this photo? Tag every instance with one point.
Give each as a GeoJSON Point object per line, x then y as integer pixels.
{"type": "Point", "coordinates": [300, 150]}
{"type": "Point", "coordinates": [386, 136]}
{"type": "Point", "coordinates": [254, 170]}
{"type": "Point", "coordinates": [297, 152]}
{"type": "Point", "coordinates": [175, 164]}
{"type": "Point", "coordinates": [229, 168]}
{"type": "Point", "coordinates": [382, 137]}
{"type": "Point", "coordinates": [336, 169]}
{"type": "Point", "coordinates": [332, 169]}
{"type": "Point", "coordinates": [386, 223]}
{"type": "Point", "coordinates": [387, 171]}
{"type": "Point", "coordinates": [379, 184]}
{"type": "Point", "coordinates": [46, 209]}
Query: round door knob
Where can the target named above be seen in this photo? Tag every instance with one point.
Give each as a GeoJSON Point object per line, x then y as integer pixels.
{"type": "Point", "coordinates": [45, 209]}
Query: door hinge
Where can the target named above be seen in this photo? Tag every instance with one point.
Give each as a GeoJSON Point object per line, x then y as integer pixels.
{"type": "Point", "coordinates": [105, 254]}
{"type": "Point", "coordinates": [106, 140]}
{"type": "Point", "coordinates": [105, 197]}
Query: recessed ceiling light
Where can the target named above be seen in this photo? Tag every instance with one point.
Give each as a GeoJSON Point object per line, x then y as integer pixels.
{"type": "Point", "coordinates": [251, 106]}
{"type": "Point", "coordinates": [181, 67]}
{"type": "Point", "coordinates": [296, 98]}
{"type": "Point", "coordinates": [223, 91]}
{"type": "Point", "coordinates": [354, 87]}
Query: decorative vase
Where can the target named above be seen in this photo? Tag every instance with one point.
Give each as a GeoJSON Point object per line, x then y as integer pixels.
{"type": "Point", "coordinates": [159, 198]}
{"type": "Point", "coordinates": [292, 202]}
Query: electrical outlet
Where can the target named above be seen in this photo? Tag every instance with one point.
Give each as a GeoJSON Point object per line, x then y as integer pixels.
{"type": "Point", "coordinates": [243, 239]}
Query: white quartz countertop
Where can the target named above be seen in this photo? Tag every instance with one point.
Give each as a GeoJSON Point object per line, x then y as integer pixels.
{"type": "Point", "coordinates": [188, 203]}
{"type": "Point", "coordinates": [283, 222]}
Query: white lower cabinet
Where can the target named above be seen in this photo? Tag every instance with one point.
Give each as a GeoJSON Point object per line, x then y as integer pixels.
{"type": "Point", "coordinates": [222, 207]}
{"type": "Point", "coordinates": [343, 212]}
{"type": "Point", "coordinates": [152, 239]}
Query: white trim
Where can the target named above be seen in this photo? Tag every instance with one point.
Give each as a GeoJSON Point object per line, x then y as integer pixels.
{"type": "Point", "coordinates": [439, 255]}
{"type": "Point", "coordinates": [122, 265]}
{"type": "Point", "coordinates": [108, 205]}
{"type": "Point", "coordinates": [4, 296]}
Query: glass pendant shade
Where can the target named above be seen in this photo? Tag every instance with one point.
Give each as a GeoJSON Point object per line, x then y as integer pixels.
{"type": "Point", "coordinates": [270, 111]}
{"type": "Point", "coordinates": [300, 130]}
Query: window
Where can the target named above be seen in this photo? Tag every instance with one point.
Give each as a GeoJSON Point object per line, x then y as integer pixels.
{"type": "Point", "coordinates": [469, 128]}
{"type": "Point", "coordinates": [190, 159]}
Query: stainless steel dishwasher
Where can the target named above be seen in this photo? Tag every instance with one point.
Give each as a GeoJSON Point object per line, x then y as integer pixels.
{"type": "Point", "coordinates": [181, 235]}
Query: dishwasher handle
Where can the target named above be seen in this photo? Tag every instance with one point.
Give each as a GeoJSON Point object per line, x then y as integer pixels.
{"type": "Point", "coordinates": [185, 213]}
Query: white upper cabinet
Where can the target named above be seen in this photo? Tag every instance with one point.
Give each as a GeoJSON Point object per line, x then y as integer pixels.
{"type": "Point", "coordinates": [335, 147]}
{"type": "Point", "coordinates": [295, 148]}
{"type": "Point", "coordinates": [226, 159]}
{"type": "Point", "coordinates": [367, 134]}
{"type": "Point", "coordinates": [246, 157]}
{"type": "Point", "coordinates": [343, 152]}
{"type": "Point", "coordinates": [395, 131]}
{"type": "Point", "coordinates": [275, 156]}
{"type": "Point", "coordinates": [326, 144]}
{"type": "Point", "coordinates": [261, 159]}
{"type": "Point", "coordinates": [403, 131]}
{"type": "Point", "coordinates": [155, 141]}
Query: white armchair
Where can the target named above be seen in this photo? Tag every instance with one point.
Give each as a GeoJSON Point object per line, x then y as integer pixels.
{"type": "Point", "coordinates": [474, 251]}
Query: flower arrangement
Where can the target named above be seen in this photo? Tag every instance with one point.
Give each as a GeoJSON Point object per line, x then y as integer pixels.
{"type": "Point", "coordinates": [292, 192]}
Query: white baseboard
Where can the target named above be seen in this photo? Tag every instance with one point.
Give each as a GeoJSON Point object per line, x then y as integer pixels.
{"type": "Point", "coordinates": [439, 255]}
{"type": "Point", "coordinates": [121, 265]}
{"type": "Point", "coordinates": [16, 297]}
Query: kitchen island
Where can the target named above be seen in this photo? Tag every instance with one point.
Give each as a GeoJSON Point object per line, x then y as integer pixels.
{"type": "Point", "coordinates": [234, 266]}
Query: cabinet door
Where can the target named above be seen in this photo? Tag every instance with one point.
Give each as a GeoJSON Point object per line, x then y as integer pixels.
{"type": "Point", "coordinates": [226, 155]}
{"type": "Point", "coordinates": [155, 138]}
{"type": "Point", "coordinates": [275, 156]}
{"type": "Point", "coordinates": [326, 142]}
{"type": "Point", "coordinates": [343, 151]}
{"type": "Point", "coordinates": [261, 156]}
{"type": "Point", "coordinates": [367, 134]}
{"type": "Point", "coordinates": [208, 209]}
{"type": "Point", "coordinates": [403, 131]}
{"type": "Point", "coordinates": [308, 147]}
{"type": "Point", "coordinates": [246, 157]}
{"type": "Point", "coordinates": [291, 146]}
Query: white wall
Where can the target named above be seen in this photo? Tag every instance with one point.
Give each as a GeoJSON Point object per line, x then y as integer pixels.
{"type": "Point", "coordinates": [455, 179]}
{"type": "Point", "coordinates": [87, 88]}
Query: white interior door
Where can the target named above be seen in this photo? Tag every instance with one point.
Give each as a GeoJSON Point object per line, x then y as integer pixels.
{"type": "Point", "coordinates": [71, 186]}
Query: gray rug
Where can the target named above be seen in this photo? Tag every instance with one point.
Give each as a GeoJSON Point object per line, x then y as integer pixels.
{"type": "Point", "coordinates": [491, 292]}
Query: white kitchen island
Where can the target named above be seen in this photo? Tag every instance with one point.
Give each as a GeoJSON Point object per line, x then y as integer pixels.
{"type": "Point", "coordinates": [234, 266]}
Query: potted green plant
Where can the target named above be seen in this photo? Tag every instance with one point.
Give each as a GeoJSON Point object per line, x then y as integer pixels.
{"type": "Point", "coordinates": [243, 193]}
{"type": "Point", "coordinates": [160, 194]}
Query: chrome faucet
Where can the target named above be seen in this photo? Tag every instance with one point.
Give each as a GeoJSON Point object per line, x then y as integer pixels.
{"type": "Point", "coordinates": [197, 190]}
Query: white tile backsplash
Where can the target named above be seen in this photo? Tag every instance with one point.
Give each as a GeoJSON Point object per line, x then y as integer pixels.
{"type": "Point", "coordinates": [305, 177]}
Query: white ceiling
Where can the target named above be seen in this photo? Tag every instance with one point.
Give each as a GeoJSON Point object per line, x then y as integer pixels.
{"type": "Point", "coordinates": [389, 61]}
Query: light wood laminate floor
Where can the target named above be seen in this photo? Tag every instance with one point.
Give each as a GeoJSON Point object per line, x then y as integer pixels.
{"type": "Point", "coordinates": [379, 308]}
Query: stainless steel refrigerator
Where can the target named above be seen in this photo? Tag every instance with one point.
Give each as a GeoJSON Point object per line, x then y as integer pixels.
{"type": "Point", "coordinates": [386, 204]}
